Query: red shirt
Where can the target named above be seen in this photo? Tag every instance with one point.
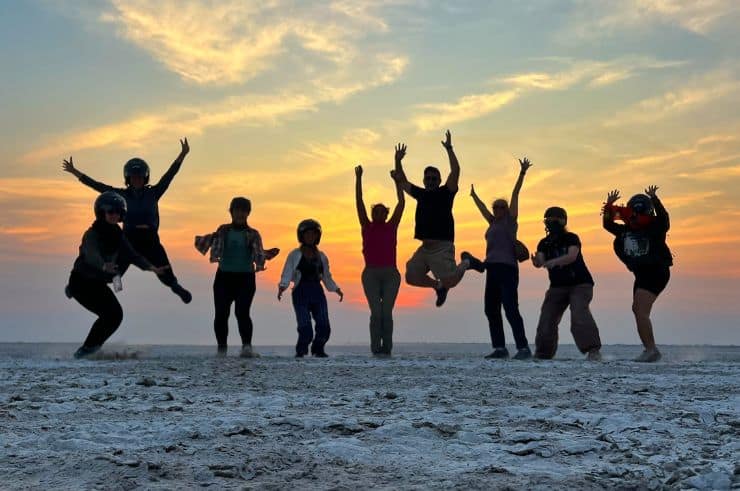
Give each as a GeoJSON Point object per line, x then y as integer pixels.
{"type": "Point", "coordinates": [379, 244]}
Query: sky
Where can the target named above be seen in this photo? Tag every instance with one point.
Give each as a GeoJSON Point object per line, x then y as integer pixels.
{"type": "Point", "coordinates": [281, 99]}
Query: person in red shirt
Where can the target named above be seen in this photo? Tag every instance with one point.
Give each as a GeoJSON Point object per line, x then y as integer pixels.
{"type": "Point", "coordinates": [380, 278]}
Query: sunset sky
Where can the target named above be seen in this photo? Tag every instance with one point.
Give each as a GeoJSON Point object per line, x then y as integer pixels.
{"type": "Point", "coordinates": [280, 100]}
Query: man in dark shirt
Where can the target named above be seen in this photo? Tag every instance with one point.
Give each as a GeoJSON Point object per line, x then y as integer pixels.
{"type": "Point", "coordinates": [141, 223]}
{"type": "Point", "coordinates": [571, 285]}
{"type": "Point", "coordinates": [435, 227]}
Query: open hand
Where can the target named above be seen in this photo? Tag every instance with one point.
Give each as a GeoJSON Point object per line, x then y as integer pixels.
{"type": "Point", "coordinates": [400, 152]}
{"type": "Point", "coordinates": [448, 140]}
{"type": "Point", "coordinates": [612, 197]}
{"type": "Point", "coordinates": [525, 164]}
{"type": "Point", "coordinates": [68, 165]}
{"type": "Point", "coordinates": [651, 190]}
{"type": "Point", "coordinates": [184, 147]}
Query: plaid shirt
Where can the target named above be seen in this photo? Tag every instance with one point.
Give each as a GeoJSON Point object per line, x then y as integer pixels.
{"type": "Point", "coordinates": [215, 242]}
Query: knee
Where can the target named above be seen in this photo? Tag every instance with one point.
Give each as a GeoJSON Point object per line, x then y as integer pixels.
{"type": "Point", "coordinates": [115, 316]}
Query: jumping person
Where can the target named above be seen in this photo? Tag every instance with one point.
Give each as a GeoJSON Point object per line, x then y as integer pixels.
{"type": "Point", "coordinates": [435, 227]}
{"type": "Point", "coordinates": [237, 248]}
{"type": "Point", "coordinates": [142, 220]}
{"type": "Point", "coordinates": [307, 267]}
{"type": "Point", "coordinates": [502, 270]}
{"type": "Point", "coordinates": [104, 252]}
{"type": "Point", "coordinates": [641, 245]}
{"type": "Point", "coordinates": [380, 278]}
{"type": "Point", "coordinates": [571, 285]}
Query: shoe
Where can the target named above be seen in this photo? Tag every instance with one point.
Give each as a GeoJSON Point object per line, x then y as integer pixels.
{"type": "Point", "coordinates": [300, 355]}
{"type": "Point", "coordinates": [498, 354]}
{"type": "Point", "coordinates": [474, 263]}
{"type": "Point", "coordinates": [221, 351]}
{"type": "Point", "coordinates": [85, 351]}
{"type": "Point", "coordinates": [523, 354]}
{"type": "Point", "coordinates": [68, 291]}
{"type": "Point", "coordinates": [181, 292]}
{"type": "Point", "coordinates": [593, 355]}
{"type": "Point", "coordinates": [248, 352]}
{"type": "Point", "coordinates": [321, 354]}
{"type": "Point", "coordinates": [441, 295]}
{"type": "Point", "coordinates": [649, 356]}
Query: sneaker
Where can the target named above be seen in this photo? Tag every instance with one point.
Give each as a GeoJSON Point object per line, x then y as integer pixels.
{"type": "Point", "coordinates": [523, 354]}
{"type": "Point", "coordinates": [498, 354]}
{"type": "Point", "coordinates": [181, 292]}
{"type": "Point", "coordinates": [649, 356]}
{"type": "Point", "coordinates": [593, 355]}
{"type": "Point", "coordinates": [68, 291]}
{"type": "Point", "coordinates": [474, 263]}
{"type": "Point", "coordinates": [248, 352]}
{"type": "Point", "coordinates": [441, 295]}
{"type": "Point", "coordinates": [85, 351]}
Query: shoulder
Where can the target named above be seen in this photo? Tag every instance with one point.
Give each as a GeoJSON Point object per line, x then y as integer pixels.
{"type": "Point", "coordinates": [542, 244]}
{"type": "Point", "coordinates": [571, 238]}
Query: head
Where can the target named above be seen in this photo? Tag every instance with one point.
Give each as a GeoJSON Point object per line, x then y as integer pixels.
{"type": "Point", "coordinates": [556, 218]}
{"type": "Point", "coordinates": [136, 173]}
{"type": "Point", "coordinates": [379, 213]}
{"type": "Point", "coordinates": [500, 208]}
{"type": "Point", "coordinates": [432, 178]}
{"type": "Point", "coordinates": [309, 232]}
{"type": "Point", "coordinates": [110, 207]}
{"type": "Point", "coordinates": [642, 210]}
{"type": "Point", "coordinates": [240, 208]}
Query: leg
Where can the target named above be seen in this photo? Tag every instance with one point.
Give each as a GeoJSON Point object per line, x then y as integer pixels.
{"type": "Point", "coordinates": [509, 285]}
{"type": "Point", "coordinates": [223, 295]}
{"type": "Point", "coordinates": [582, 323]}
{"type": "Point", "coordinates": [390, 286]}
{"type": "Point", "coordinates": [96, 297]}
{"type": "Point", "coordinates": [642, 305]}
{"type": "Point", "coordinates": [245, 291]}
{"type": "Point", "coordinates": [372, 288]}
{"type": "Point", "coordinates": [492, 309]}
{"type": "Point", "coordinates": [303, 319]}
{"type": "Point", "coordinates": [441, 258]}
{"type": "Point", "coordinates": [417, 269]}
{"type": "Point", "coordinates": [553, 307]}
{"type": "Point", "coordinates": [320, 312]}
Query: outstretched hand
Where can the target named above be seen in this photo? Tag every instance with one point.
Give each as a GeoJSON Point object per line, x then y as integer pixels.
{"type": "Point", "coordinates": [68, 165]}
{"type": "Point", "coordinates": [184, 147]}
{"type": "Point", "coordinates": [525, 164]}
{"type": "Point", "coordinates": [400, 152]}
{"type": "Point", "coordinates": [271, 253]}
{"type": "Point", "coordinates": [358, 171]}
{"type": "Point", "coordinates": [447, 143]}
{"type": "Point", "coordinates": [651, 191]}
{"type": "Point", "coordinates": [612, 197]}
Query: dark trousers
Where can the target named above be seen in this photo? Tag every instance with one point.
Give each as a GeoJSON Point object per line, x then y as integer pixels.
{"type": "Point", "coordinates": [239, 289]}
{"type": "Point", "coordinates": [96, 297]}
{"type": "Point", "coordinates": [502, 283]}
{"type": "Point", "coordinates": [309, 301]}
{"type": "Point", "coordinates": [146, 242]}
{"type": "Point", "coordinates": [582, 323]}
{"type": "Point", "coordinates": [381, 289]}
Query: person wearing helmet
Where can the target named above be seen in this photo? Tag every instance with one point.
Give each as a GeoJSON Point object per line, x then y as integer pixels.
{"type": "Point", "coordinates": [237, 248]}
{"type": "Point", "coordinates": [142, 220]}
{"type": "Point", "coordinates": [435, 228]}
{"type": "Point", "coordinates": [502, 270]}
{"type": "Point", "coordinates": [307, 267]}
{"type": "Point", "coordinates": [640, 243]}
{"type": "Point", "coordinates": [380, 278]}
{"type": "Point", "coordinates": [571, 285]}
{"type": "Point", "coordinates": [104, 249]}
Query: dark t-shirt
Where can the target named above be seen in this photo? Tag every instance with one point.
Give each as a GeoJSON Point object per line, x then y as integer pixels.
{"type": "Point", "coordinates": [310, 269]}
{"type": "Point", "coordinates": [575, 273]}
{"type": "Point", "coordinates": [434, 213]}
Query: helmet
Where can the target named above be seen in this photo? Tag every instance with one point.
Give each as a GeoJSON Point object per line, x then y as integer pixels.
{"type": "Point", "coordinates": [641, 204]}
{"type": "Point", "coordinates": [308, 224]}
{"type": "Point", "coordinates": [109, 201]}
{"type": "Point", "coordinates": [136, 167]}
{"type": "Point", "coordinates": [556, 212]}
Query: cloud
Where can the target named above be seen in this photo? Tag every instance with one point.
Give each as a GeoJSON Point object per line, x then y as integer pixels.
{"type": "Point", "coordinates": [594, 74]}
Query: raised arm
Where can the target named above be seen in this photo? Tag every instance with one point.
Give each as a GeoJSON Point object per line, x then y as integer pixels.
{"type": "Point", "coordinates": [166, 179]}
{"type": "Point", "coordinates": [487, 215]}
{"type": "Point", "coordinates": [454, 177]}
{"type": "Point", "coordinates": [660, 212]}
{"type": "Point", "coordinates": [606, 213]}
{"type": "Point", "coordinates": [398, 173]}
{"type": "Point", "coordinates": [361, 210]}
{"type": "Point", "coordinates": [400, 205]}
{"type": "Point", "coordinates": [514, 202]}
{"type": "Point", "coordinates": [69, 166]}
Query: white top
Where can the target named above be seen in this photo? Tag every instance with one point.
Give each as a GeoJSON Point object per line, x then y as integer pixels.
{"type": "Point", "coordinates": [291, 273]}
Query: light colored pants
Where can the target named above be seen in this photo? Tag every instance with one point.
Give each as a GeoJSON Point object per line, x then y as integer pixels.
{"type": "Point", "coordinates": [381, 288]}
{"type": "Point", "coordinates": [582, 323]}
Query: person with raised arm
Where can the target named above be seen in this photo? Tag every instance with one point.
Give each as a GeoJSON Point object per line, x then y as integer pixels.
{"type": "Point", "coordinates": [502, 269]}
{"type": "Point", "coordinates": [141, 226]}
{"type": "Point", "coordinates": [435, 227]}
{"type": "Point", "coordinates": [640, 243]}
{"type": "Point", "coordinates": [380, 278]}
